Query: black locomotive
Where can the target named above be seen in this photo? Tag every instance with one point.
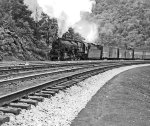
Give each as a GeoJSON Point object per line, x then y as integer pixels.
{"type": "Point", "coordinates": [68, 50]}
{"type": "Point", "coordinates": [78, 50]}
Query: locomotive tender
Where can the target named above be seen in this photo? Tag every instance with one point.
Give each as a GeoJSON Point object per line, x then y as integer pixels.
{"type": "Point", "coordinates": [78, 50]}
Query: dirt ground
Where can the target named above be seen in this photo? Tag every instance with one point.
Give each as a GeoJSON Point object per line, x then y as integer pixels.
{"type": "Point", "coordinates": [123, 101]}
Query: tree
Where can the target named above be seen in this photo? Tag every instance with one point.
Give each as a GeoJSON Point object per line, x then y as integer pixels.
{"type": "Point", "coordinates": [5, 13]}
{"type": "Point", "coordinates": [48, 28]}
{"type": "Point", "coordinates": [16, 17]}
{"type": "Point", "coordinates": [130, 20]}
{"type": "Point", "coordinates": [72, 35]}
{"type": "Point", "coordinates": [20, 11]}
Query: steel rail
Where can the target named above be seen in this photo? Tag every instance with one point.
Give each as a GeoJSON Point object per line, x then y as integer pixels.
{"type": "Point", "coordinates": [23, 73]}
{"type": "Point", "coordinates": [48, 73]}
{"type": "Point", "coordinates": [27, 77]}
{"type": "Point", "coordinates": [18, 68]}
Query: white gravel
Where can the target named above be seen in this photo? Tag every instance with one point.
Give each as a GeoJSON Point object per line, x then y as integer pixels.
{"type": "Point", "coordinates": [61, 109]}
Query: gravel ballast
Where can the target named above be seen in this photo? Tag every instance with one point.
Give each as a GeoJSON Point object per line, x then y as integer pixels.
{"type": "Point", "coordinates": [61, 109]}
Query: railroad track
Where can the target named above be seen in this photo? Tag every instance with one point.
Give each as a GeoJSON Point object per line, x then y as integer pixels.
{"type": "Point", "coordinates": [31, 72]}
{"type": "Point", "coordinates": [15, 83]}
{"type": "Point", "coordinates": [52, 82]}
{"type": "Point", "coordinates": [44, 70]}
{"type": "Point", "coordinates": [23, 67]}
{"type": "Point", "coordinates": [31, 66]}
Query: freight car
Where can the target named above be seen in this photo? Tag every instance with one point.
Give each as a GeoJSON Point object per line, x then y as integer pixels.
{"type": "Point", "coordinates": [111, 53]}
{"type": "Point", "coordinates": [142, 54]}
{"type": "Point", "coordinates": [95, 52]}
{"type": "Point", "coordinates": [79, 50]}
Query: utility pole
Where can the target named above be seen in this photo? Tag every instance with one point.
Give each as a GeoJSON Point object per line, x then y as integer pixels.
{"type": "Point", "coordinates": [48, 29]}
{"type": "Point", "coordinates": [118, 52]}
{"type": "Point", "coordinates": [36, 23]}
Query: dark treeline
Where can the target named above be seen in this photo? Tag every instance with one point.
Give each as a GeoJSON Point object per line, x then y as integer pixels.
{"type": "Point", "coordinates": [124, 23]}
{"type": "Point", "coordinates": [21, 37]}
{"type": "Point", "coordinates": [15, 16]}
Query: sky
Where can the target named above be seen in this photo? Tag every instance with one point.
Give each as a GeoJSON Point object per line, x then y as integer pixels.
{"type": "Point", "coordinates": [32, 6]}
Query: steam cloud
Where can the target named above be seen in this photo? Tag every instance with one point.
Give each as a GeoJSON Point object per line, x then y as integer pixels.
{"type": "Point", "coordinates": [88, 30]}
{"type": "Point", "coordinates": [68, 14]}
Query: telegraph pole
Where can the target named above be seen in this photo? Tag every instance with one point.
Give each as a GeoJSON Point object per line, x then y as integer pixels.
{"type": "Point", "coordinates": [36, 22]}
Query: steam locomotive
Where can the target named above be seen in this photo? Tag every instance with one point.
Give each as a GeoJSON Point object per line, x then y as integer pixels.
{"type": "Point", "coordinates": [78, 50]}
{"type": "Point", "coordinates": [68, 50]}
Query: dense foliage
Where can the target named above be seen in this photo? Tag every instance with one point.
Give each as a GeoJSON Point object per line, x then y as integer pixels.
{"type": "Point", "coordinates": [124, 23]}
{"type": "Point", "coordinates": [18, 27]}
{"type": "Point", "coordinates": [72, 35]}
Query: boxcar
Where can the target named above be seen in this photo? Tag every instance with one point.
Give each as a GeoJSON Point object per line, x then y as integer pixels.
{"type": "Point", "coordinates": [147, 56]}
{"type": "Point", "coordinates": [138, 54]}
{"type": "Point", "coordinates": [94, 52]}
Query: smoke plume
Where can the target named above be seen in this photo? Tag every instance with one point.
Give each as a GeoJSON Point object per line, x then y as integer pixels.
{"type": "Point", "coordinates": [87, 29]}
{"type": "Point", "coordinates": [68, 13]}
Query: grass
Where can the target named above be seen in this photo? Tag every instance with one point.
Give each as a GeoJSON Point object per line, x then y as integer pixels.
{"type": "Point", "coordinates": [123, 101]}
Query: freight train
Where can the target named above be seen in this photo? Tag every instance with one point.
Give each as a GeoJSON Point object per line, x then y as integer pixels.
{"type": "Point", "coordinates": [79, 50]}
